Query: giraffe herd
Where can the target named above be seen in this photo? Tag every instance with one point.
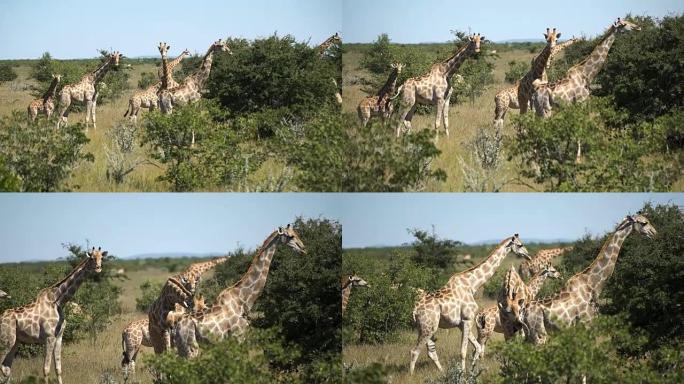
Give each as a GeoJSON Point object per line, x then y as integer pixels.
{"type": "Point", "coordinates": [517, 309]}
{"type": "Point", "coordinates": [178, 319]}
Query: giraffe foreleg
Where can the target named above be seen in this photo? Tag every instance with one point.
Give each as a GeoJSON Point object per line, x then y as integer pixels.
{"type": "Point", "coordinates": [89, 111]}
{"type": "Point", "coordinates": [57, 353]}
{"type": "Point", "coordinates": [445, 113]}
{"type": "Point", "coordinates": [439, 117]}
{"type": "Point", "coordinates": [50, 343]}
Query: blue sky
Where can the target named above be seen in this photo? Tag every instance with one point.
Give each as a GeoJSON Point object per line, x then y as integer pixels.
{"type": "Point", "coordinates": [77, 28]}
{"type": "Point", "coordinates": [383, 219]}
{"type": "Point", "coordinates": [410, 21]}
{"type": "Point", "coordinates": [33, 226]}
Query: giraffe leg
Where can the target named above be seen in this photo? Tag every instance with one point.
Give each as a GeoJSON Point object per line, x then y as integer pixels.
{"type": "Point", "coordinates": [578, 159]}
{"type": "Point", "coordinates": [523, 103]}
{"type": "Point", "coordinates": [465, 330]}
{"type": "Point", "coordinates": [415, 352]}
{"type": "Point", "coordinates": [404, 118]}
{"type": "Point", "coordinates": [7, 359]}
{"type": "Point", "coordinates": [58, 353]}
{"type": "Point", "coordinates": [49, 351]}
{"type": "Point", "coordinates": [445, 114]}
{"type": "Point", "coordinates": [94, 114]}
{"type": "Point", "coordinates": [432, 353]}
{"type": "Point", "coordinates": [88, 114]}
{"type": "Point", "coordinates": [439, 117]}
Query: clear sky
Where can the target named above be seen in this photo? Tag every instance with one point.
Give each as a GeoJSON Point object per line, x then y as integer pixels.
{"type": "Point", "coordinates": [77, 28]}
{"type": "Point", "coordinates": [383, 219]}
{"type": "Point", "coordinates": [33, 226]}
{"type": "Point", "coordinates": [410, 21]}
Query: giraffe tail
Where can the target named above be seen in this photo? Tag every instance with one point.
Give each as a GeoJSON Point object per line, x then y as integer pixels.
{"type": "Point", "coordinates": [126, 360]}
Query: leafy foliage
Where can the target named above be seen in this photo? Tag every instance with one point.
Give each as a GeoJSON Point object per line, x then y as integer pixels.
{"type": "Point", "coordinates": [616, 156]}
{"type": "Point", "coordinates": [147, 79]}
{"type": "Point", "coordinates": [7, 72]}
{"type": "Point", "coordinates": [378, 58]}
{"type": "Point", "coordinates": [40, 155]}
{"type": "Point", "coordinates": [516, 70]}
{"type": "Point", "coordinates": [149, 292]}
{"type": "Point", "coordinates": [433, 252]}
{"type": "Point", "coordinates": [333, 155]}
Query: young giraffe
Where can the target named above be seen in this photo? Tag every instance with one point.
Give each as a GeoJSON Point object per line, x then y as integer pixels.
{"type": "Point", "coordinates": [147, 98]}
{"type": "Point", "coordinates": [85, 91]}
{"type": "Point", "coordinates": [432, 88]}
{"type": "Point", "coordinates": [493, 319]}
{"type": "Point", "coordinates": [42, 321]}
{"type": "Point", "coordinates": [335, 39]}
{"type": "Point", "coordinates": [347, 284]}
{"type": "Point", "coordinates": [454, 305]}
{"type": "Point", "coordinates": [228, 315]}
{"type": "Point", "coordinates": [178, 289]}
{"type": "Point", "coordinates": [380, 104]}
{"type": "Point", "coordinates": [532, 267]}
{"type": "Point", "coordinates": [45, 104]}
{"type": "Point", "coordinates": [508, 97]}
{"type": "Point", "coordinates": [577, 300]}
{"type": "Point", "coordinates": [136, 334]}
{"type": "Point", "coordinates": [574, 87]}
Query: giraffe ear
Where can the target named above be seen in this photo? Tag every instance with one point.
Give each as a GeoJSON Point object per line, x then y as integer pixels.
{"type": "Point", "coordinates": [105, 253]}
{"type": "Point", "coordinates": [558, 35]}
{"type": "Point", "coordinates": [521, 302]}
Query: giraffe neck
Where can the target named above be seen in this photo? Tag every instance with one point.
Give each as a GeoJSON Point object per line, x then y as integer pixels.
{"type": "Point", "coordinates": [171, 65]}
{"type": "Point", "coordinates": [65, 289]}
{"type": "Point", "coordinates": [540, 62]}
{"type": "Point", "coordinates": [101, 71]}
{"type": "Point", "coordinates": [325, 45]}
{"type": "Point", "coordinates": [252, 283]}
{"type": "Point", "coordinates": [602, 267]}
{"type": "Point", "coordinates": [390, 84]}
{"type": "Point", "coordinates": [166, 73]}
{"type": "Point", "coordinates": [479, 274]}
{"type": "Point", "coordinates": [591, 66]}
{"type": "Point", "coordinates": [52, 90]}
{"type": "Point", "coordinates": [346, 291]}
{"type": "Point", "coordinates": [560, 48]}
{"type": "Point", "coordinates": [455, 61]}
{"type": "Point", "coordinates": [203, 72]}
{"type": "Point", "coordinates": [534, 285]}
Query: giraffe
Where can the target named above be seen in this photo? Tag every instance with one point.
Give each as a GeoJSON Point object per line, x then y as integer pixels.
{"type": "Point", "coordinates": [228, 315]}
{"type": "Point", "coordinates": [577, 300]}
{"type": "Point", "coordinates": [432, 87]}
{"type": "Point", "coordinates": [347, 284]}
{"type": "Point", "coordinates": [532, 267]}
{"type": "Point", "coordinates": [574, 87]}
{"type": "Point", "coordinates": [494, 319]}
{"type": "Point", "coordinates": [381, 103]}
{"type": "Point", "coordinates": [86, 91]}
{"type": "Point", "coordinates": [42, 321]}
{"type": "Point", "coordinates": [539, 64]}
{"type": "Point", "coordinates": [508, 97]}
{"type": "Point", "coordinates": [45, 104]}
{"type": "Point", "coordinates": [454, 305]}
{"type": "Point", "coordinates": [165, 78]}
{"type": "Point", "coordinates": [322, 49]}
{"type": "Point", "coordinates": [178, 289]}
{"type": "Point", "coordinates": [147, 98]}
{"type": "Point", "coordinates": [136, 334]}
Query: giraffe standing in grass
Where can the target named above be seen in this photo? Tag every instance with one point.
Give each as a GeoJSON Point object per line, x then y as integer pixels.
{"type": "Point", "coordinates": [574, 87]}
{"type": "Point", "coordinates": [86, 91]}
{"type": "Point", "coordinates": [433, 87]}
{"type": "Point", "coordinates": [45, 104]}
{"type": "Point", "coordinates": [494, 318]}
{"type": "Point", "coordinates": [148, 98]}
{"type": "Point", "coordinates": [544, 257]}
{"type": "Point", "coordinates": [347, 284]}
{"type": "Point", "coordinates": [380, 105]}
{"type": "Point", "coordinates": [228, 315]}
{"type": "Point", "coordinates": [577, 300]}
{"type": "Point", "coordinates": [523, 89]}
{"type": "Point", "coordinates": [454, 305]}
{"type": "Point", "coordinates": [42, 321]}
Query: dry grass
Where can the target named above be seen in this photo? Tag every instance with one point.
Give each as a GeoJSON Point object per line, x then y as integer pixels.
{"type": "Point", "coordinates": [86, 361]}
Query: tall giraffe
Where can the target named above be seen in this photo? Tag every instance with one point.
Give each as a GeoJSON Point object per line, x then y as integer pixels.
{"type": "Point", "coordinates": [525, 88]}
{"type": "Point", "coordinates": [178, 289]}
{"type": "Point", "coordinates": [45, 104]}
{"type": "Point", "coordinates": [165, 79]}
{"type": "Point", "coordinates": [86, 91]}
{"type": "Point", "coordinates": [574, 87]}
{"type": "Point", "coordinates": [432, 87]}
{"type": "Point", "coordinates": [322, 49]}
{"type": "Point", "coordinates": [577, 300]}
{"type": "Point", "coordinates": [43, 321]}
{"type": "Point", "coordinates": [494, 318]}
{"type": "Point", "coordinates": [228, 315]}
{"type": "Point", "coordinates": [454, 305]}
{"type": "Point", "coordinates": [508, 97]}
{"type": "Point", "coordinates": [147, 98]}
{"type": "Point", "coordinates": [533, 266]}
{"type": "Point", "coordinates": [381, 103]}
{"type": "Point", "coordinates": [347, 284]}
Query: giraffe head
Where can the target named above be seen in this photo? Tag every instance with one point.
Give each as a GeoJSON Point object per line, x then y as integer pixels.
{"type": "Point", "coordinates": [551, 37]}
{"type": "Point", "coordinates": [198, 303]}
{"type": "Point", "coordinates": [163, 49]}
{"type": "Point", "coordinates": [397, 66]}
{"type": "Point", "coordinates": [624, 26]}
{"type": "Point", "coordinates": [356, 281]}
{"type": "Point", "coordinates": [189, 283]}
{"type": "Point", "coordinates": [172, 317]}
{"type": "Point", "coordinates": [289, 237]}
{"type": "Point", "coordinates": [474, 42]}
{"type": "Point", "coordinates": [336, 38]}
{"type": "Point", "coordinates": [220, 46]}
{"type": "Point", "coordinates": [56, 78]}
{"type": "Point", "coordinates": [95, 259]}
{"type": "Point", "coordinates": [512, 294]}
{"type": "Point", "coordinates": [641, 224]}
{"type": "Point", "coordinates": [178, 291]}
{"type": "Point", "coordinates": [185, 52]}
{"type": "Point", "coordinates": [514, 244]}
{"type": "Point", "coordinates": [113, 57]}
{"type": "Point", "coordinates": [549, 271]}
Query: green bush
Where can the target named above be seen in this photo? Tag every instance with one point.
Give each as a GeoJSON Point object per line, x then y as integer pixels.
{"type": "Point", "coordinates": [149, 292]}
{"type": "Point", "coordinates": [616, 156]}
{"type": "Point", "coordinates": [374, 373]}
{"type": "Point", "coordinates": [332, 154]}
{"type": "Point", "coordinates": [147, 79]}
{"type": "Point", "coordinates": [433, 252]}
{"type": "Point", "coordinates": [40, 155]}
{"type": "Point", "coordinates": [6, 72]}
{"type": "Point", "coordinates": [378, 58]}
{"type": "Point", "coordinates": [218, 161]}
{"type": "Point", "coordinates": [9, 182]}
{"type": "Point", "coordinates": [516, 70]}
